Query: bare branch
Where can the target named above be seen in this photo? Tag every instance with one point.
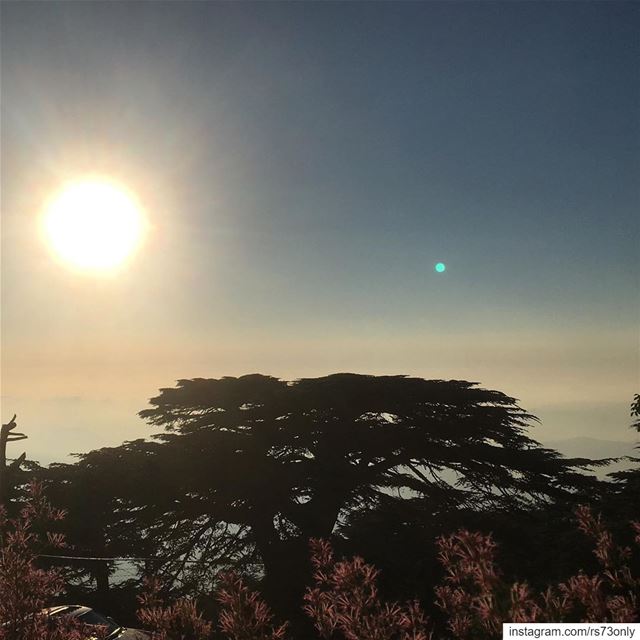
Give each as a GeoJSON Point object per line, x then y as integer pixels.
{"type": "Point", "coordinates": [11, 424]}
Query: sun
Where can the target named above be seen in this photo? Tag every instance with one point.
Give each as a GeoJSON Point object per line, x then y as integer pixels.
{"type": "Point", "coordinates": [93, 224]}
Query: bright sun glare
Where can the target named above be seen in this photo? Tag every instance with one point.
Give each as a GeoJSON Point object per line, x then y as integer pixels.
{"type": "Point", "coordinates": [93, 224]}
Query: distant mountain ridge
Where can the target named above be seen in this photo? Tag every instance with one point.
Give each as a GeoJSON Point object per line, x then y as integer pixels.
{"type": "Point", "coordinates": [585, 447]}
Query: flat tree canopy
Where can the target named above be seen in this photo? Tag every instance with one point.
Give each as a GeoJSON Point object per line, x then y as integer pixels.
{"type": "Point", "coordinates": [248, 469]}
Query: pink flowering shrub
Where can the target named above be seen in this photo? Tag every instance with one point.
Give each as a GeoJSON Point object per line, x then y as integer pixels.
{"type": "Point", "coordinates": [245, 616]}
{"type": "Point", "coordinates": [26, 589]}
{"type": "Point", "coordinates": [178, 621]}
{"type": "Point", "coordinates": [477, 600]}
{"type": "Point", "coordinates": [345, 603]}
{"type": "Point", "coordinates": [614, 592]}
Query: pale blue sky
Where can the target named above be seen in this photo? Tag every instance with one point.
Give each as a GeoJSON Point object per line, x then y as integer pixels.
{"type": "Point", "coordinates": [304, 166]}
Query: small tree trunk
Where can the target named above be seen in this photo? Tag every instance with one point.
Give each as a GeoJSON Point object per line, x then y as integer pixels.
{"type": "Point", "coordinates": [100, 571]}
{"type": "Point", "coordinates": [5, 437]}
{"type": "Point", "coordinates": [3, 465]}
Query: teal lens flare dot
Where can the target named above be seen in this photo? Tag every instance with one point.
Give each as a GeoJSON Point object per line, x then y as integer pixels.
{"type": "Point", "coordinates": [440, 267]}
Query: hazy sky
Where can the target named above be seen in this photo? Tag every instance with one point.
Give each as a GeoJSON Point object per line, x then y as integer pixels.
{"type": "Point", "coordinates": [303, 167]}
